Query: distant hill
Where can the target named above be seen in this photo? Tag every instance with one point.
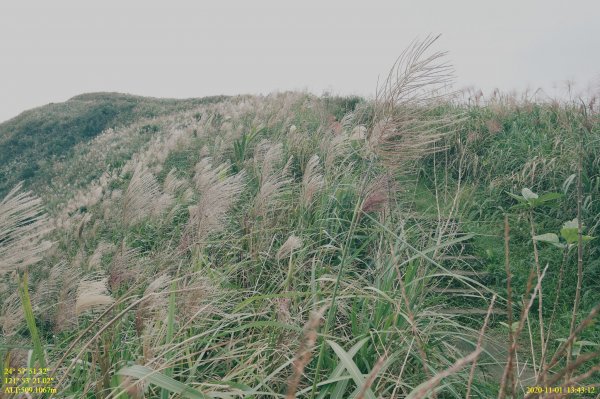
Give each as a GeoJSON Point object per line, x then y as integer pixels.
{"type": "Point", "coordinates": [49, 132]}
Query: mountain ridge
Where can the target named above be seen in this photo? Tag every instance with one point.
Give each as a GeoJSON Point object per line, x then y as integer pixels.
{"type": "Point", "coordinates": [50, 131]}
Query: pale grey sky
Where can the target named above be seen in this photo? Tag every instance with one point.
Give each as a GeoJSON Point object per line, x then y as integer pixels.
{"type": "Point", "coordinates": [53, 50]}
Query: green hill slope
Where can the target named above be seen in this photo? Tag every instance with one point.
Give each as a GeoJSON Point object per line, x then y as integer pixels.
{"type": "Point", "coordinates": [38, 136]}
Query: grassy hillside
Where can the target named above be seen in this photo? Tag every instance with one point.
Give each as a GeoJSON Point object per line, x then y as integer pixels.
{"type": "Point", "coordinates": [38, 137]}
{"type": "Point", "coordinates": [313, 247]}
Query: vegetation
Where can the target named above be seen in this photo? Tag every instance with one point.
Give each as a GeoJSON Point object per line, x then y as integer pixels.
{"type": "Point", "coordinates": [32, 141]}
{"type": "Point", "coordinates": [315, 247]}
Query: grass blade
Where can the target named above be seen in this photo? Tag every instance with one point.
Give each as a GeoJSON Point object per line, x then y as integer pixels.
{"type": "Point", "coordinates": [38, 349]}
{"type": "Point", "coordinates": [163, 381]}
{"type": "Point", "coordinates": [353, 370]}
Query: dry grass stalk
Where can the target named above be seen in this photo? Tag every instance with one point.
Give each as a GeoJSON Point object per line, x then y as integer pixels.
{"type": "Point", "coordinates": [405, 125]}
{"type": "Point", "coordinates": [509, 365]}
{"type": "Point", "coordinates": [578, 362]}
{"type": "Point", "coordinates": [540, 293]}
{"type": "Point", "coordinates": [371, 378]}
{"type": "Point", "coordinates": [312, 181]}
{"type": "Point", "coordinates": [565, 346]}
{"type": "Point", "coordinates": [423, 390]}
{"type": "Point", "coordinates": [524, 314]}
{"type": "Point", "coordinates": [479, 346]}
{"type": "Point", "coordinates": [23, 224]}
{"type": "Point", "coordinates": [304, 353]}
{"type": "Point", "coordinates": [579, 246]}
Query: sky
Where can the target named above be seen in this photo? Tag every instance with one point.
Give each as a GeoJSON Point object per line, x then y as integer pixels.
{"type": "Point", "coordinates": [53, 50]}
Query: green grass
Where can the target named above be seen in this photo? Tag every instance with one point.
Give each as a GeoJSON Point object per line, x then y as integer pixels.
{"type": "Point", "coordinates": [226, 317]}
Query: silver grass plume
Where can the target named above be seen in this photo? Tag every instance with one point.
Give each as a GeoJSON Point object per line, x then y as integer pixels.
{"type": "Point", "coordinates": [45, 294]}
{"type": "Point", "coordinates": [153, 306]}
{"type": "Point", "coordinates": [196, 297]}
{"type": "Point", "coordinates": [379, 193]}
{"type": "Point", "coordinates": [23, 224]}
{"type": "Point", "coordinates": [334, 146]}
{"type": "Point", "coordinates": [58, 294]}
{"type": "Point", "coordinates": [405, 124]}
{"type": "Point", "coordinates": [143, 197]}
{"type": "Point", "coordinates": [312, 180]}
{"type": "Point", "coordinates": [102, 249]}
{"type": "Point", "coordinates": [273, 183]}
{"type": "Point", "coordinates": [218, 192]}
{"type": "Point", "coordinates": [11, 314]}
{"type": "Point", "coordinates": [206, 176]}
{"type": "Point", "coordinates": [123, 267]}
{"type": "Point", "coordinates": [92, 294]}
{"type": "Point", "coordinates": [172, 183]}
{"type": "Point", "coordinates": [290, 245]}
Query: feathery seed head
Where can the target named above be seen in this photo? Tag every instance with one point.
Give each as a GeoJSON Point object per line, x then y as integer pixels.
{"type": "Point", "coordinates": [92, 294]}
{"type": "Point", "coordinates": [290, 245]}
{"type": "Point", "coordinates": [23, 224]}
{"type": "Point", "coordinates": [312, 180]}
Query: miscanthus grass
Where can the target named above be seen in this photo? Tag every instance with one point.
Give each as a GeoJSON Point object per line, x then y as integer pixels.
{"type": "Point", "coordinates": [293, 246]}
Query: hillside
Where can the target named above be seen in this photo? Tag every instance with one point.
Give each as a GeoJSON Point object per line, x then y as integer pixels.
{"type": "Point", "coordinates": [36, 138]}
{"type": "Point", "coordinates": [291, 245]}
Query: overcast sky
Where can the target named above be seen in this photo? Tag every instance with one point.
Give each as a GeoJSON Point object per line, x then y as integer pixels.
{"type": "Point", "coordinates": [53, 50]}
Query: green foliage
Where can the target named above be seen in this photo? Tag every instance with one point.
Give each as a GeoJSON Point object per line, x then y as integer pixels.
{"type": "Point", "coordinates": [220, 314]}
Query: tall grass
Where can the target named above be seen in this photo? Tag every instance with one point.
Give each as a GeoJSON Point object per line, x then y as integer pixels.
{"type": "Point", "coordinates": [258, 247]}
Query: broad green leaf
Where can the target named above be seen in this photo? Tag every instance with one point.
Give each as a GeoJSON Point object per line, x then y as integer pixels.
{"type": "Point", "coordinates": [570, 232]}
{"type": "Point", "coordinates": [549, 197]}
{"type": "Point", "coordinates": [571, 224]}
{"type": "Point", "coordinates": [162, 381]}
{"type": "Point", "coordinates": [528, 194]}
{"type": "Point", "coordinates": [549, 238]}
{"type": "Point", "coordinates": [586, 343]}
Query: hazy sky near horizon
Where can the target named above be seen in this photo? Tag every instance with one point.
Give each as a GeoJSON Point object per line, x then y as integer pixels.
{"type": "Point", "coordinates": [53, 50]}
